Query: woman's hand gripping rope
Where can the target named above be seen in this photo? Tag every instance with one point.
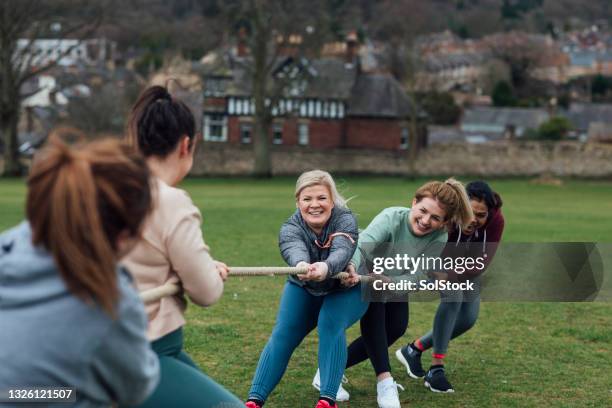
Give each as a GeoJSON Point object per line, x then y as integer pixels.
{"type": "Point", "coordinates": [316, 271]}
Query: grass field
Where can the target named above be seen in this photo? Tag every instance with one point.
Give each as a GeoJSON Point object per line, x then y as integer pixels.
{"type": "Point", "coordinates": [518, 355]}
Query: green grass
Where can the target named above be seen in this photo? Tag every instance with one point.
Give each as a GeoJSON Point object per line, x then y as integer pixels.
{"type": "Point", "coordinates": [518, 355]}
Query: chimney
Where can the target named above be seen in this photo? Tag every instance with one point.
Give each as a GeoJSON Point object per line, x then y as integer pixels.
{"type": "Point", "coordinates": [352, 47]}
{"type": "Point", "coordinates": [241, 48]}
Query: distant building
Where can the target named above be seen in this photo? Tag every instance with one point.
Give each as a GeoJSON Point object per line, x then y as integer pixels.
{"type": "Point", "coordinates": [589, 120]}
{"type": "Point", "coordinates": [331, 104]}
{"type": "Point", "coordinates": [589, 63]}
{"type": "Point", "coordinates": [492, 123]}
{"type": "Point", "coordinates": [449, 72]}
{"type": "Point", "coordinates": [68, 52]}
{"type": "Point", "coordinates": [449, 63]}
{"type": "Point", "coordinates": [589, 52]}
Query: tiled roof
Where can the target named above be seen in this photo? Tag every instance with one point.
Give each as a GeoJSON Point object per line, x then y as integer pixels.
{"type": "Point", "coordinates": [581, 115]}
{"type": "Point", "coordinates": [523, 117]}
{"type": "Point", "coordinates": [379, 95]}
{"type": "Point", "coordinates": [366, 94]}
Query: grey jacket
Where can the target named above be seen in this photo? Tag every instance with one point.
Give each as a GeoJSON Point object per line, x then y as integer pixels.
{"type": "Point", "coordinates": [297, 243]}
{"type": "Point", "coordinates": [50, 338]}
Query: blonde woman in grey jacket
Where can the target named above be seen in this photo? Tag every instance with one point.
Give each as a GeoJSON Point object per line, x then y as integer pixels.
{"type": "Point", "coordinates": [321, 235]}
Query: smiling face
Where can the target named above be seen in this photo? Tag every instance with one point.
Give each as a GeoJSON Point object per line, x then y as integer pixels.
{"type": "Point", "coordinates": [481, 213]}
{"type": "Point", "coordinates": [426, 216]}
{"type": "Point", "coordinates": [315, 204]}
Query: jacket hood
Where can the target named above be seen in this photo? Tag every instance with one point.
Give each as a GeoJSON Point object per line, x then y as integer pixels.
{"type": "Point", "coordinates": [493, 216]}
{"type": "Point", "coordinates": [28, 273]}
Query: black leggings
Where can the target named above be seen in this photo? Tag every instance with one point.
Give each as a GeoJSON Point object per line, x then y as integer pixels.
{"type": "Point", "coordinates": [381, 326]}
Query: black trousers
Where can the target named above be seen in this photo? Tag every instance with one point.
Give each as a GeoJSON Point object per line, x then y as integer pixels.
{"type": "Point", "coordinates": [381, 326]}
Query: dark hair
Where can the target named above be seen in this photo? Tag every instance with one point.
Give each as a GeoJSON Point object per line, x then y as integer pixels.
{"type": "Point", "coordinates": [481, 191]}
{"type": "Point", "coordinates": [79, 202]}
{"type": "Point", "coordinates": [158, 122]}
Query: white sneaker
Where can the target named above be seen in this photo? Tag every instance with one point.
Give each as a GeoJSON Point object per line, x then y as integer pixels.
{"type": "Point", "coordinates": [387, 394]}
{"type": "Point", "coordinates": [341, 395]}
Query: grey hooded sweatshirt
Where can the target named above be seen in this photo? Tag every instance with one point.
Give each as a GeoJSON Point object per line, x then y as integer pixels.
{"type": "Point", "coordinates": [297, 243]}
{"type": "Point", "coordinates": [50, 338]}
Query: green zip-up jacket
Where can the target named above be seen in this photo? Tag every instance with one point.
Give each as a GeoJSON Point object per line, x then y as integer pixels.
{"type": "Point", "coordinates": [388, 235]}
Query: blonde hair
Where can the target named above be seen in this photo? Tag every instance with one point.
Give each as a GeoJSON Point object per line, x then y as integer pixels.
{"type": "Point", "coordinates": [452, 197]}
{"type": "Point", "coordinates": [319, 178]}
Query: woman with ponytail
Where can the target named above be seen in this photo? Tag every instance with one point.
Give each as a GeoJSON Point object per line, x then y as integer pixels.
{"type": "Point", "coordinates": [172, 250]}
{"type": "Point", "coordinates": [458, 310]}
{"type": "Point", "coordinates": [69, 316]}
{"type": "Point", "coordinates": [418, 231]}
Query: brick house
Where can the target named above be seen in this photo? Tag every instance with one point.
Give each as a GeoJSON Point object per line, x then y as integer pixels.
{"type": "Point", "coordinates": [334, 105]}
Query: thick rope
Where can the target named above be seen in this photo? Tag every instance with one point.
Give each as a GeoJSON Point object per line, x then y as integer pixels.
{"type": "Point", "coordinates": [265, 270]}
{"type": "Point", "coordinates": [171, 289]}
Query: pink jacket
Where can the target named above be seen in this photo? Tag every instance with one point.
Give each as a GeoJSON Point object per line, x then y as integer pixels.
{"type": "Point", "coordinates": [172, 249]}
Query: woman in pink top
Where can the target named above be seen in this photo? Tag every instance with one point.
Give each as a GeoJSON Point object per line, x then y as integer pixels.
{"type": "Point", "coordinates": [173, 250]}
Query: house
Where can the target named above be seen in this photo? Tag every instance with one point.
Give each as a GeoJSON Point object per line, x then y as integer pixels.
{"type": "Point", "coordinates": [589, 62]}
{"type": "Point", "coordinates": [67, 51]}
{"type": "Point", "coordinates": [589, 120]}
{"type": "Point", "coordinates": [449, 63]}
{"type": "Point", "coordinates": [589, 51]}
{"type": "Point", "coordinates": [493, 123]}
{"type": "Point", "coordinates": [332, 103]}
{"type": "Point", "coordinates": [448, 72]}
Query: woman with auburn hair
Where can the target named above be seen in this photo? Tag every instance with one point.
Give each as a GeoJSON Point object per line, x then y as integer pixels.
{"type": "Point", "coordinates": [421, 231]}
{"type": "Point", "coordinates": [321, 235]}
{"type": "Point", "coordinates": [458, 310]}
{"type": "Point", "coordinates": [172, 250]}
{"type": "Point", "coordinates": [69, 316]}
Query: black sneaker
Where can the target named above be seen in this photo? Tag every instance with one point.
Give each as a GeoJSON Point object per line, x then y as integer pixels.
{"type": "Point", "coordinates": [436, 380]}
{"type": "Point", "coordinates": [411, 359]}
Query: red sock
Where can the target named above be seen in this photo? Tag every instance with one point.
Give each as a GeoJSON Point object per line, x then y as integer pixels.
{"type": "Point", "coordinates": [417, 343]}
{"type": "Point", "coordinates": [438, 355]}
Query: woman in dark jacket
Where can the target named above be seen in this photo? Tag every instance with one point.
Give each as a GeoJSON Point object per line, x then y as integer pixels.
{"type": "Point", "coordinates": [458, 310]}
{"type": "Point", "coordinates": [321, 235]}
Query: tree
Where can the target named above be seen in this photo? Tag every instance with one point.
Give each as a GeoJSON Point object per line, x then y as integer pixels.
{"type": "Point", "coordinates": [601, 85]}
{"type": "Point", "coordinates": [555, 128]}
{"type": "Point", "coordinates": [503, 95]}
{"type": "Point", "coordinates": [399, 23]}
{"type": "Point", "coordinates": [441, 108]}
{"type": "Point", "coordinates": [273, 31]}
{"type": "Point", "coordinates": [522, 53]}
{"type": "Point", "coordinates": [105, 111]}
{"type": "Point", "coordinates": [28, 20]}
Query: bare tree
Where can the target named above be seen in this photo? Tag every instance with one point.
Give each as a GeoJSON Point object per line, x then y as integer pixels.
{"type": "Point", "coordinates": [21, 23]}
{"type": "Point", "coordinates": [400, 23]}
{"type": "Point", "coordinates": [522, 53]}
{"type": "Point", "coordinates": [272, 30]}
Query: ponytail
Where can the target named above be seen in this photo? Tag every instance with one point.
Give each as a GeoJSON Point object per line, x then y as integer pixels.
{"type": "Point", "coordinates": [452, 197]}
{"type": "Point", "coordinates": [79, 202]}
{"type": "Point", "coordinates": [158, 122]}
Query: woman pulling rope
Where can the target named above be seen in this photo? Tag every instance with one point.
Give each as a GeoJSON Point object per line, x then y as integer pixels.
{"type": "Point", "coordinates": [173, 250]}
{"type": "Point", "coordinates": [310, 239]}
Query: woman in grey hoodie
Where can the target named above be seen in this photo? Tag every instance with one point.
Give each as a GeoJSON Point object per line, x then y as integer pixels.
{"type": "Point", "coordinates": [69, 316]}
{"type": "Point", "coordinates": [321, 235]}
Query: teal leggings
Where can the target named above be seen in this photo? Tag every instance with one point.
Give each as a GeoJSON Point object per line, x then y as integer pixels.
{"type": "Point", "coordinates": [299, 313]}
{"type": "Point", "coordinates": [182, 384]}
{"type": "Point", "coordinates": [456, 314]}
